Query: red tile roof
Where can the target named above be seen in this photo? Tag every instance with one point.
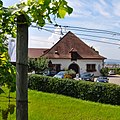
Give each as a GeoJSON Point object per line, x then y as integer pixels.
{"type": "Point", "coordinates": [62, 49]}
{"type": "Point", "coordinates": [35, 52]}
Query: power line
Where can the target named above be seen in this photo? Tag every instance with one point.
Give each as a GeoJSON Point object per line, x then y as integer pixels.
{"type": "Point", "coordinates": [82, 29]}
{"type": "Point", "coordinates": [58, 33]}
{"type": "Point", "coordinates": [88, 29]}
{"type": "Point", "coordinates": [101, 41]}
{"type": "Point", "coordinates": [41, 28]}
{"type": "Point", "coordinates": [98, 36]}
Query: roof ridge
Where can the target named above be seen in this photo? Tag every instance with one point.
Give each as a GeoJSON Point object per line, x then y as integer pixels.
{"type": "Point", "coordinates": [57, 42]}
{"type": "Point", "coordinates": [70, 41]}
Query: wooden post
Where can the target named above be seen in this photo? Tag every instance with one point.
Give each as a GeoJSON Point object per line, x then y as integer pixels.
{"type": "Point", "coordinates": [22, 69]}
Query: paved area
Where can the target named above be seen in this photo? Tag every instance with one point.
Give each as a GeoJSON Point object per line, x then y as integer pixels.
{"type": "Point", "coordinates": [114, 79]}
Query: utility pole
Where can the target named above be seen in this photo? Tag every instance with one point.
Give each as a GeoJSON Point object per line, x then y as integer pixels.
{"type": "Point", "coordinates": [22, 69]}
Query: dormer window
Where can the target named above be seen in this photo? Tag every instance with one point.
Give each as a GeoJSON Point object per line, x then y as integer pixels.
{"type": "Point", "coordinates": [56, 52]}
{"type": "Point", "coordinates": [74, 54]}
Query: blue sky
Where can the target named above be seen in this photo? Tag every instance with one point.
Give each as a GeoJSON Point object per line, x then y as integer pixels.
{"type": "Point", "coordinates": [92, 14]}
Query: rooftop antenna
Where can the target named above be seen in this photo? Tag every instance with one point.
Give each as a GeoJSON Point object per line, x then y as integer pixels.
{"type": "Point", "coordinates": [61, 32]}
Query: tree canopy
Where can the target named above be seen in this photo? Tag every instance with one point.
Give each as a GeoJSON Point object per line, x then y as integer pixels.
{"type": "Point", "coordinates": [35, 11]}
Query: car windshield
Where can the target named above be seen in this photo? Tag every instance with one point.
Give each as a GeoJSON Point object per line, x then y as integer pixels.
{"type": "Point", "coordinates": [86, 74]}
{"type": "Point", "coordinates": [102, 77]}
{"type": "Point", "coordinates": [60, 73]}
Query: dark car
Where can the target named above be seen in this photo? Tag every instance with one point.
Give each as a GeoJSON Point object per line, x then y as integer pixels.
{"type": "Point", "coordinates": [103, 79]}
{"type": "Point", "coordinates": [49, 73]}
{"type": "Point", "coordinates": [87, 76]}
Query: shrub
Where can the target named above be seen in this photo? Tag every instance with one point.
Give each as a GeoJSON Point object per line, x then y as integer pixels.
{"type": "Point", "coordinates": [70, 74]}
{"type": "Point", "coordinates": [98, 92]}
{"type": "Point", "coordinates": [38, 65]}
{"type": "Point", "coordinates": [104, 71]}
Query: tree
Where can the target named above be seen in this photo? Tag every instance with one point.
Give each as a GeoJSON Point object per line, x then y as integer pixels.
{"type": "Point", "coordinates": [7, 70]}
{"type": "Point", "coordinates": [104, 71]}
{"type": "Point", "coordinates": [37, 11]}
{"type": "Point", "coordinates": [38, 65]}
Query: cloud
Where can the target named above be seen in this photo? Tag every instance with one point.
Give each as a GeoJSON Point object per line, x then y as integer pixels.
{"type": "Point", "coordinates": [103, 2]}
{"type": "Point", "coordinates": [39, 42]}
{"type": "Point", "coordinates": [55, 37]}
{"type": "Point", "coordinates": [116, 7]}
{"type": "Point", "coordinates": [101, 10]}
{"type": "Point", "coordinates": [80, 8]}
{"type": "Point", "coordinates": [91, 8]}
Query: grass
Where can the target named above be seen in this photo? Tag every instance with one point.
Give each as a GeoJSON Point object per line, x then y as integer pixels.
{"type": "Point", "coordinates": [46, 106]}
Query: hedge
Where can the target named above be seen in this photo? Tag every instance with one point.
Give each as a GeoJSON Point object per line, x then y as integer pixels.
{"type": "Point", "coordinates": [92, 91]}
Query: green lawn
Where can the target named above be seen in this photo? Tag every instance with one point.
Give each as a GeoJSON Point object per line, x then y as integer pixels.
{"type": "Point", "coordinates": [45, 106]}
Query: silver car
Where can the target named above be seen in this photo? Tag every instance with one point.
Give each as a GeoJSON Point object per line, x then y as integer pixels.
{"type": "Point", "coordinates": [103, 79]}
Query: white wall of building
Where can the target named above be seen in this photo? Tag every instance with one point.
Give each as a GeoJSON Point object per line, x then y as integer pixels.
{"type": "Point", "coordinates": [81, 63]}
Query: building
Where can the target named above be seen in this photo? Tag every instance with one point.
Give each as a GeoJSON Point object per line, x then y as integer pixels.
{"type": "Point", "coordinates": [71, 53]}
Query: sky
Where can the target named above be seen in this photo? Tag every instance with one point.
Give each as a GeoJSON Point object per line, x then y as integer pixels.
{"type": "Point", "coordinates": [90, 14]}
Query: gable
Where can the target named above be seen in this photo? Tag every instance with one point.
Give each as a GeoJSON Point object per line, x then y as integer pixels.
{"type": "Point", "coordinates": [62, 49]}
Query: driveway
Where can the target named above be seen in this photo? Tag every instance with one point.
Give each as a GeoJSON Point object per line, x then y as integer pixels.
{"type": "Point", "coordinates": [114, 79]}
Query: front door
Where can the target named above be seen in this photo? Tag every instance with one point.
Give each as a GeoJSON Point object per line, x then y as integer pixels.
{"type": "Point", "coordinates": [74, 67]}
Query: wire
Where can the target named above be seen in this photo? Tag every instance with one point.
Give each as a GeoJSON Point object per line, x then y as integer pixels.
{"type": "Point", "coordinates": [101, 41]}
{"type": "Point", "coordinates": [83, 29]}
{"type": "Point", "coordinates": [58, 33]}
{"type": "Point", "coordinates": [98, 36]}
{"type": "Point", "coordinates": [41, 28]}
{"type": "Point", "coordinates": [88, 29]}
{"type": "Point", "coordinates": [86, 34]}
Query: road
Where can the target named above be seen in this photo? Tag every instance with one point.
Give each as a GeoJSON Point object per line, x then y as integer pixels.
{"type": "Point", "coordinates": [113, 79]}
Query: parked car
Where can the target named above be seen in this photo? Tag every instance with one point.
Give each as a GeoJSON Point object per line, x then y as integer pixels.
{"type": "Point", "coordinates": [49, 73]}
{"type": "Point", "coordinates": [103, 79]}
{"type": "Point", "coordinates": [66, 74]}
{"type": "Point", "coordinates": [60, 74]}
{"type": "Point", "coordinates": [87, 76]}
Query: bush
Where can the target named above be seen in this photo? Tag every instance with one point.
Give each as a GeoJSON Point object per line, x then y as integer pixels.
{"type": "Point", "coordinates": [98, 92]}
{"type": "Point", "coordinates": [104, 71]}
{"type": "Point", "coordinates": [116, 70]}
{"type": "Point", "coordinates": [38, 65]}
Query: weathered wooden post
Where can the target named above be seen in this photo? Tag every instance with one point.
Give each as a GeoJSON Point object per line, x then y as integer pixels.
{"type": "Point", "coordinates": [22, 69]}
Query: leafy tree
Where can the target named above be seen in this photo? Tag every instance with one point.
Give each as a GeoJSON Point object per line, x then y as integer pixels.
{"type": "Point", "coordinates": [31, 64]}
{"type": "Point", "coordinates": [37, 11]}
{"type": "Point", "coordinates": [38, 65]}
{"type": "Point", "coordinates": [104, 71]}
{"type": "Point", "coordinates": [7, 70]}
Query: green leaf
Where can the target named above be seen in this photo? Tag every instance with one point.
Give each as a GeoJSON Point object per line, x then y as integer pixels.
{"type": "Point", "coordinates": [47, 2]}
{"type": "Point", "coordinates": [69, 10]}
{"type": "Point", "coordinates": [41, 1]}
{"type": "Point", "coordinates": [61, 12]}
{"type": "Point", "coordinates": [63, 9]}
{"type": "Point", "coordinates": [1, 3]}
{"type": "Point", "coordinates": [1, 91]}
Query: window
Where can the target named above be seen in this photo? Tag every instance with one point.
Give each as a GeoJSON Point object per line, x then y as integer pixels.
{"type": "Point", "coordinates": [74, 56]}
{"type": "Point", "coordinates": [91, 67]}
